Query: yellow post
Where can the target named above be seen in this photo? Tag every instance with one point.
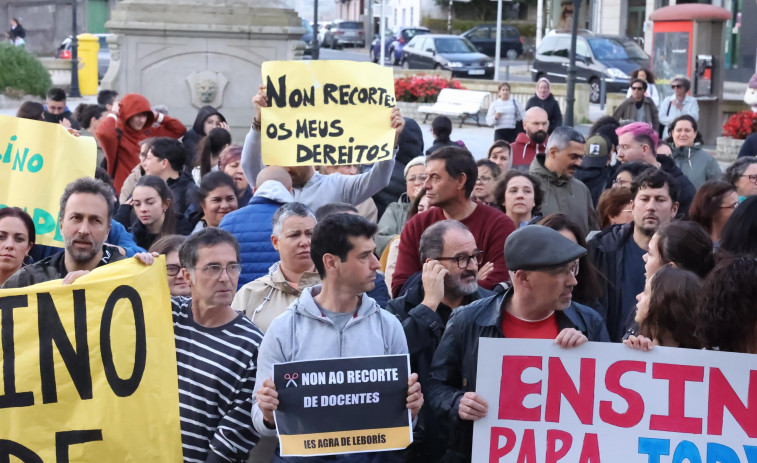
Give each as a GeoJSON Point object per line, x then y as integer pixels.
{"type": "Point", "coordinates": [88, 48]}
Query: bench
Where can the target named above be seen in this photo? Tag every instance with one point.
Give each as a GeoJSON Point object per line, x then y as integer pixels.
{"type": "Point", "coordinates": [456, 103]}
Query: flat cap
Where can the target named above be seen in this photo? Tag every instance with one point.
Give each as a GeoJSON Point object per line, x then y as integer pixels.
{"type": "Point", "coordinates": [536, 246]}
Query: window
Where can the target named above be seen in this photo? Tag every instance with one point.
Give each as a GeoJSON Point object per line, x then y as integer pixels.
{"type": "Point", "coordinates": [547, 45]}
{"type": "Point", "coordinates": [479, 33]}
{"type": "Point", "coordinates": [582, 49]}
{"type": "Point", "coordinates": [562, 49]}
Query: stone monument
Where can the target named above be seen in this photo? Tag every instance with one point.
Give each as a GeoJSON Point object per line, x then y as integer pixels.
{"type": "Point", "coordinates": [190, 53]}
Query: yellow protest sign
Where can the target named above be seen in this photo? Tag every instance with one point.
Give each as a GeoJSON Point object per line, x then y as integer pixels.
{"type": "Point", "coordinates": [37, 160]}
{"type": "Point", "coordinates": [90, 369]}
{"type": "Point", "coordinates": [327, 113]}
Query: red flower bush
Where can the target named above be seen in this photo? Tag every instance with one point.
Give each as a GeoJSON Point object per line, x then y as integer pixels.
{"type": "Point", "coordinates": [422, 89]}
{"type": "Point", "coordinates": [739, 126]}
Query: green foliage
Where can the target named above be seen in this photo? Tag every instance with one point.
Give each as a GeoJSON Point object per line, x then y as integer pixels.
{"type": "Point", "coordinates": [22, 72]}
{"type": "Point", "coordinates": [526, 29]}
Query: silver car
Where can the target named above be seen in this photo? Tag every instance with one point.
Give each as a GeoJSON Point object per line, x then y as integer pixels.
{"type": "Point", "coordinates": [344, 33]}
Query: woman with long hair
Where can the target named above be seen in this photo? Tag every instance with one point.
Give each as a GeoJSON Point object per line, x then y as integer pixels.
{"type": "Point", "coordinates": [712, 206]}
{"type": "Point", "coordinates": [208, 152]}
{"type": "Point", "coordinates": [664, 310]}
{"type": "Point", "coordinates": [17, 238]}
{"type": "Point", "coordinates": [151, 201]}
{"type": "Point", "coordinates": [504, 114]}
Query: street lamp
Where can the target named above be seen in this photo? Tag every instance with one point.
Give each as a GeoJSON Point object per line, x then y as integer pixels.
{"type": "Point", "coordinates": [570, 99]}
{"type": "Point", "coordinates": [74, 91]}
{"type": "Point", "coordinates": [315, 44]}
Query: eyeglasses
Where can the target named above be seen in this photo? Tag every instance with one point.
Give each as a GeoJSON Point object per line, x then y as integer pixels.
{"type": "Point", "coordinates": [621, 182]}
{"type": "Point", "coordinates": [638, 89]}
{"type": "Point", "coordinates": [484, 179]}
{"type": "Point", "coordinates": [417, 178]}
{"type": "Point", "coordinates": [214, 270]}
{"type": "Point", "coordinates": [463, 261]}
{"type": "Point", "coordinates": [571, 268]}
{"type": "Point", "coordinates": [676, 86]}
{"type": "Point", "coordinates": [173, 269]}
{"type": "Point", "coordinates": [752, 178]}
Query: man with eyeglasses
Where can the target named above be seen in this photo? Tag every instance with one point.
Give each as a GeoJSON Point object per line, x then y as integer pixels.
{"type": "Point", "coordinates": [543, 267]}
{"type": "Point", "coordinates": [638, 107]}
{"type": "Point", "coordinates": [216, 351]}
{"type": "Point", "coordinates": [637, 142]}
{"type": "Point", "coordinates": [448, 280]}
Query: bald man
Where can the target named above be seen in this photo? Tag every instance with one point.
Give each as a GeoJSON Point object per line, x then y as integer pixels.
{"type": "Point", "coordinates": [252, 225]}
{"type": "Point", "coordinates": [534, 141]}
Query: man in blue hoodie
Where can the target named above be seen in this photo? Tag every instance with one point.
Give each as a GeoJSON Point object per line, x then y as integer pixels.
{"type": "Point", "coordinates": [332, 320]}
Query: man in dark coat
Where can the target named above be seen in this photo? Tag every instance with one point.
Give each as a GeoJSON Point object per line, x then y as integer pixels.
{"type": "Point", "coordinates": [448, 281]}
{"type": "Point", "coordinates": [543, 267]}
{"type": "Point", "coordinates": [56, 110]}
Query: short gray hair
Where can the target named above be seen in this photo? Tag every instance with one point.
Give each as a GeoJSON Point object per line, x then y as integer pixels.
{"type": "Point", "coordinates": [561, 138]}
{"type": "Point", "coordinates": [737, 169]}
{"type": "Point", "coordinates": [432, 240]}
{"type": "Point", "coordinates": [91, 186]}
{"type": "Point", "coordinates": [205, 238]}
{"type": "Point", "coordinates": [289, 210]}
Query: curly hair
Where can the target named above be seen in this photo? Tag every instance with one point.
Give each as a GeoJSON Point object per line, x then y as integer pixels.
{"type": "Point", "coordinates": [673, 294]}
{"type": "Point", "coordinates": [727, 319]}
{"type": "Point", "coordinates": [501, 187]}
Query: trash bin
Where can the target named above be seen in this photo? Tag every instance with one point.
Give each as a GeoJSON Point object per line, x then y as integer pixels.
{"type": "Point", "coordinates": [89, 45]}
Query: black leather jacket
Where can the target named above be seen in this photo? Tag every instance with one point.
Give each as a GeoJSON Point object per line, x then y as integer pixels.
{"type": "Point", "coordinates": [453, 369]}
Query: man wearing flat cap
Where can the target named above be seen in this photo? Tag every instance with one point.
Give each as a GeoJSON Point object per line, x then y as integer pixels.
{"type": "Point", "coordinates": [543, 266]}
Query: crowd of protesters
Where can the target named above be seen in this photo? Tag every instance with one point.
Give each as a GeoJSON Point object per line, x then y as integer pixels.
{"type": "Point", "coordinates": [619, 236]}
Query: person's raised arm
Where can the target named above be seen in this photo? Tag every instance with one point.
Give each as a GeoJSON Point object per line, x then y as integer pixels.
{"type": "Point", "coordinates": [252, 154]}
{"type": "Point", "coordinates": [358, 188]}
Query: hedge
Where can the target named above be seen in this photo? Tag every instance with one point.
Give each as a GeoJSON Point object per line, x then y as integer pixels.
{"type": "Point", "coordinates": [22, 72]}
{"type": "Point", "coordinates": [526, 29]}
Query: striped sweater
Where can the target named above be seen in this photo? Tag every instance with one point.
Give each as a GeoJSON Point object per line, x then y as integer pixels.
{"type": "Point", "coordinates": [217, 368]}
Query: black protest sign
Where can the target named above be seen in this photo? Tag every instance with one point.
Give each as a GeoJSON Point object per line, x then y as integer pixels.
{"type": "Point", "coordinates": [343, 405]}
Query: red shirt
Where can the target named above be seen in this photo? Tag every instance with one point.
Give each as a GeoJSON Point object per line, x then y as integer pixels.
{"type": "Point", "coordinates": [514, 327]}
{"type": "Point", "coordinates": [490, 228]}
{"type": "Point", "coordinates": [523, 150]}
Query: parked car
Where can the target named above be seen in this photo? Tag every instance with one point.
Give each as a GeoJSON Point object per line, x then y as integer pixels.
{"type": "Point", "coordinates": [450, 52]}
{"type": "Point", "coordinates": [598, 57]}
{"type": "Point", "coordinates": [103, 55]}
{"type": "Point", "coordinates": [484, 38]}
{"type": "Point", "coordinates": [344, 33]}
{"type": "Point", "coordinates": [394, 43]}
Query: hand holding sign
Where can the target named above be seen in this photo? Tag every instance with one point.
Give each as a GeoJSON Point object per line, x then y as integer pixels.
{"type": "Point", "coordinates": [472, 407]}
{"type": "Point", "coordinates": [268, 401]}
{"type": "Point", "coordinates": [414, 395]}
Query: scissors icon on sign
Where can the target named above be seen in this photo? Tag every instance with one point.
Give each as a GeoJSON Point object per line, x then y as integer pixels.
{"type": "Point", "coordinates": [291, 379]}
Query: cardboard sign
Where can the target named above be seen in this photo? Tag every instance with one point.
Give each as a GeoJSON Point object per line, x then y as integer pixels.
{"type": "Point", "coordinates": [90, 369]}
{"type": "Point", "coordinates": [608, 403]}
{"type": "Point", "coordinates": [327, 113]}
{"type": "Point", "coordinates": [37, 160]}
{"type": "Point", "coordinates": [343, 405]}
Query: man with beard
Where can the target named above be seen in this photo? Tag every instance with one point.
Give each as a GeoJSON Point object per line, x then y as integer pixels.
{"type": "Point", "coordinates": [543, 268]}
{"type": "Point", "coordinates": [527, 145]}
{"type": "Point", "coordinates": [86, 210]}
{"type": "Point", "coordinates": [637, 142]}
{"type": "Point", "coordinates": [448, 280]}
{"type": "Point", "coordinates": [555, 169]}
{"type": "Point", "coordinates": [452, 174]}
{"type": "Point", "coordinates": [618, 251]}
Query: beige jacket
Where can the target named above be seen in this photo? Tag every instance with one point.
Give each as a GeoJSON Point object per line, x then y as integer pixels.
{"type": "Point", "coordinates": [269, 296]}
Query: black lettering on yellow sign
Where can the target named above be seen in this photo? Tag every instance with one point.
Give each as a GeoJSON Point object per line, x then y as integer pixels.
{"type": "Point", "coordinates": [52, 335]}
{"type": "Point", "coordinates": [63, 440]}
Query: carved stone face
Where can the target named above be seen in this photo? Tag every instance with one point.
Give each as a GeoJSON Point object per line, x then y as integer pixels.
{"type": "Point", "coordinates": [207, 90]}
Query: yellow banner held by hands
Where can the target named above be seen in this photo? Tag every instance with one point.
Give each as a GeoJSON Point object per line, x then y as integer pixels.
{"type": "Point", "coordinates": [90, 369]}
{"type": "Point", "coordinates": [37, 160]}
{"type": "Point", "coordinates": [327, 113]}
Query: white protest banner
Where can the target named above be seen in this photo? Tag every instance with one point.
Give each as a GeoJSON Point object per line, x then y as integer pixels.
{"type": "Point", "coordinates": [608, 403]}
